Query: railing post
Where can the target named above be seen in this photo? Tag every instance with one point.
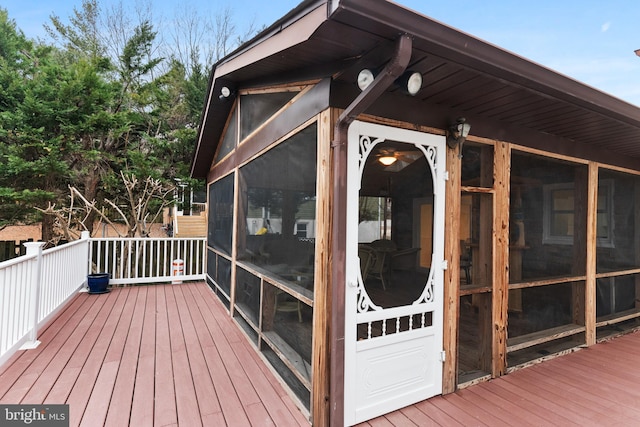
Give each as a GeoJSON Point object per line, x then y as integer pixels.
{"type": "Point", "coordinates": [35, 248]}
{"type": "Point", "coordinates": [85, 235]}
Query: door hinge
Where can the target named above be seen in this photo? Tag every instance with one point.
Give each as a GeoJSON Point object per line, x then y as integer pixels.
{"type": "Point", "coordinates": [443, 356]}
{"type": "Point", "coordinates": [446, 175]}
{"type": "Point", "coordinates": [445, 265]}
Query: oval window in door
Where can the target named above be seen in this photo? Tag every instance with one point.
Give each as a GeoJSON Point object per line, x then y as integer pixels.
{"type": "Point", "coordinates": [395, 223]}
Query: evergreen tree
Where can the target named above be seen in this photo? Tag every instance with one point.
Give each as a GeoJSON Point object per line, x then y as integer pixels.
{"type": "Point", "coordinates": [96, 105]}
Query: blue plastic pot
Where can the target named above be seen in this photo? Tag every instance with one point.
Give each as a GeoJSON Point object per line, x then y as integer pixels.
{"type": "Point", "coordinates": [98, 283]}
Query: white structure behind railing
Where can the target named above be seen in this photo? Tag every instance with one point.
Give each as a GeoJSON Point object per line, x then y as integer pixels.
{"type": "Point", "coordinates": [34, 287]}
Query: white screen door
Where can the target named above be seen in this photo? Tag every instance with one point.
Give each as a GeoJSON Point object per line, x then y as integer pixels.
{"type": "Point", "coordinates": [393, 304]}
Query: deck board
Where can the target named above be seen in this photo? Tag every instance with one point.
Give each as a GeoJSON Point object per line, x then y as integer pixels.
{"type": "Point", "coordinates": [199, 342]}
{"type": "Point", "coordinates": [94, 362]}
{"type": "Point", "coordinates": [122, 397]}
{"type": "Point", "coordinates": [142, 405]}
{"type": "Point", "coordinates": [437, 414]}
{"type": "Point", "coordinates": [170, 355]}
{"type": "Point", "coordinates": [165, 411]}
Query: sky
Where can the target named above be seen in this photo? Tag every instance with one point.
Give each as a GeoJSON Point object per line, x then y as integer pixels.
{"type": "Point", "coordinates": [592, 41]}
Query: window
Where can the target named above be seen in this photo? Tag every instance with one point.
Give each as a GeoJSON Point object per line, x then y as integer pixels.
{"type": "Point", "coordinates": [221, 214]}
{"type": "Point", "coordinates": [277, 200]}
{"type": "Point", "coordinates": [301, 230]}
{"type": "Point", "coordinates": [228, 143]}
{"type": "Point", "coordinates": [559, 211]}
{"type": "Point", "coordinates": [256, 109]}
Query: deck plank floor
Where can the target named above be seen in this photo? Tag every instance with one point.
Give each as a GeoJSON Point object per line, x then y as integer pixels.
{"type": "Point", "coordinates": [596, 386]}
{"type": "Point", "coordinates": [157, 355]}
{"type": "Point", "coordinates": [170, 355]}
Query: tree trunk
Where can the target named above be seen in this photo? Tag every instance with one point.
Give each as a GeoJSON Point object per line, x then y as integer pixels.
{"type": "Point", "coordinates": [47, 229]}
{"type": "Point", "coordinates": [91, 181]}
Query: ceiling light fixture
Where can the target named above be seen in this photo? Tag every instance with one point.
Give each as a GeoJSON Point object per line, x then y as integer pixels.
{"type": "Point", "coordinates": [387, 160]}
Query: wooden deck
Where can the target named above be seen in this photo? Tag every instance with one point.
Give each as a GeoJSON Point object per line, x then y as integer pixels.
{"type": "Point", "coordinates": [169, 355]}
{"type": "Point", "coordinates": [161, 355]}
{"type": "Point", "coordinates": [596, 386]}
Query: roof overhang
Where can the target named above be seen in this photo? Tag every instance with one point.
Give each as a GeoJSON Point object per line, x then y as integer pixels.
{"type": "Point", "coordinates": [461, 74]}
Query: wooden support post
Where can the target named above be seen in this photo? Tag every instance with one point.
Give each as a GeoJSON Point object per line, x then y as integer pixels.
{"type": "Point", "coordinates": [452, 274]}
{"type": "Point", "coordinates": [502, 168]}
{"type": "Point", "coordinates": [321, 298]}
{"type": "Point", "coordinates": [590, 284]}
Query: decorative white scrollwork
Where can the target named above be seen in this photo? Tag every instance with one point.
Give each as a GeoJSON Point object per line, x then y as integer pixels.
{"type": "Point", "coordinates": [364, 301]}
{"type": "Point", "coordinates": [366, 145]}
{"type": "Point", "coordinates": [428, 293]}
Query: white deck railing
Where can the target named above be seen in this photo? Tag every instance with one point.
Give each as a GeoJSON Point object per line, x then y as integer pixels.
{"type": "Point", "coordinates": [150, 260]}
{"type": "Point", "coordinates": [34, 287]}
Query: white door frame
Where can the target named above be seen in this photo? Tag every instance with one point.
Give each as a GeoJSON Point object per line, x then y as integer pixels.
{"type": "Point", "coordinates": [388, 372]}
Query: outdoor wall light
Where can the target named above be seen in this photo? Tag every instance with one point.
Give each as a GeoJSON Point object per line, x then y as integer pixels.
{"type": "Point", "coordinates": [365, 78]}
{"type": "Point", "coordinates": [387, 160]}
{"type": "Point", "coordinates": [225, 93]}
{"type": "Point", "coordinates": [457, 133]}
{"type": "Point", "coordinates": [410, 81]}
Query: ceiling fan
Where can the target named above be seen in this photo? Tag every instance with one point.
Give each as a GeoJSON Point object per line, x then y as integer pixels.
{"type": "Point", "coordinates": [394, 160]}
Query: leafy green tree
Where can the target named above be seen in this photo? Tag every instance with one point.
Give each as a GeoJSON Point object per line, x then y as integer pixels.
{"type": "Point", "coordinates": [32, 149]}
{"type": "Point", "coordinates": [99, 104]}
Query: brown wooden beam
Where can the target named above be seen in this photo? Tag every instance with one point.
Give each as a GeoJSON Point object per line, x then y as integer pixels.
{"type": "Point", "coordinates": [322, 298]}
{"type": "Point", "coordinates": [502, 166]}
{"type": "Point", "coordinates": [590, 284]}
{"type": "Point", "coordinates": [452, 274]}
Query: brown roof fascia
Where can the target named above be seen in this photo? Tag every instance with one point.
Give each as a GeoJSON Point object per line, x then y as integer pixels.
{"type": "Point", "coordinates": [295, 27]}
{"type": "Point", "coordinates": [476, 54]}
{"type": "Point", "coordinates": [211, 127]}
{"type": "Point", "coordinates": [280, 36]}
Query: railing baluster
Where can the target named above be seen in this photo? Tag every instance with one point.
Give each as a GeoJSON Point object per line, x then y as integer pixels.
{"type": "Point", "coordinates": [119, 271]}
{"type": "Point", "coordinates": [114, 259]}
{"type": "Point", "coordinates": [152, 256]}
{"type": "Point", "coordinates": [144, 258]}
{"type": "Point", "coordinates": [99, 256]}
{"type": "Point", "coordinates": [136, 256]}
{"type": "Point", "coordinates": [131, 258]}
{"type": "Point", "coordinates": [172, 252]}
{"type": "Point", "coordinates": [164, 260]}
